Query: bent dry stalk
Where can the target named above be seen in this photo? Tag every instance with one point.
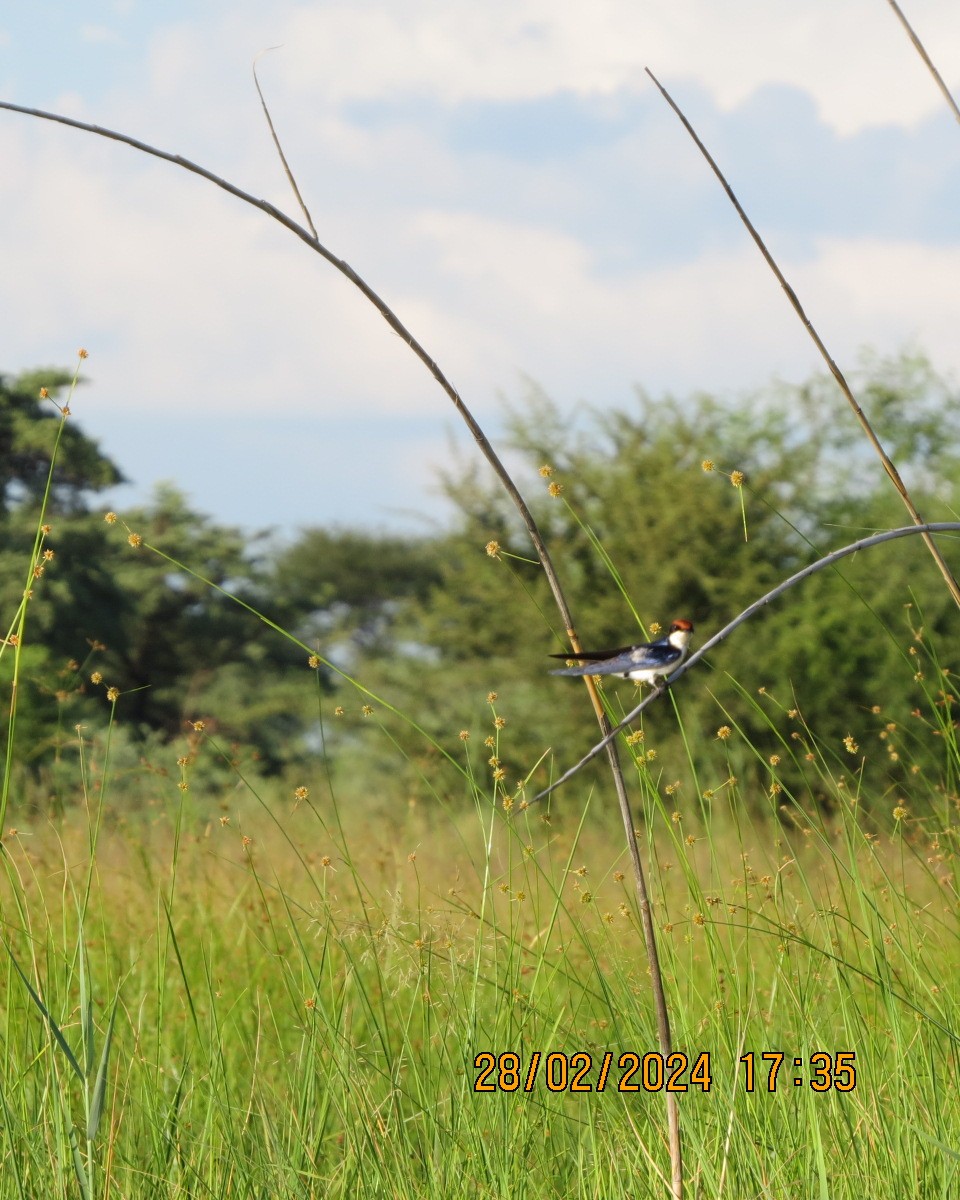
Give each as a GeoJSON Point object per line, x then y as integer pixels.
{"type": "Point", "coordinates": [311, 240]}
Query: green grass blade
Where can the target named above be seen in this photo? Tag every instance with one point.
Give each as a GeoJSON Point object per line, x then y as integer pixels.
{"type": "Point", "coordinates": [54, 1027]}
{"type": "Point", "coordinates": [79, 1169]}
{"type": "Point", "coordinates": [86, 1012]}
{"type": "Point", "coordinates": [100, 1086]}
{"type": "Point", "coordinates": [12, 1157]}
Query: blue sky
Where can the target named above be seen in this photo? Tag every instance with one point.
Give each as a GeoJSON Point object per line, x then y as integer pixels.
{"type": "Point", "coordinates": [504, 174]}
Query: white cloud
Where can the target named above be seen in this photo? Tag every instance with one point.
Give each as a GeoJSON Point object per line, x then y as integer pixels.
{"type": "Point", "coordinates": [192, 305]}
{"type": "Point", "coordinates": [886, 294]}
{"type": "Point", "coordinates": [853, 57]}
{"type": "Point", "coordinates": [185, 298]}
{"type": "Point", "coordinates": [719, 321]}
{"type": "Point", "coordinates": [191, 299]}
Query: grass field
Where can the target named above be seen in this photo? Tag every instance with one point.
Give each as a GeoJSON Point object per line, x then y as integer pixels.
{"type": "Point", "coordinates": [342, 986]}
{"type": "Point", "coordinates": [274, 995]}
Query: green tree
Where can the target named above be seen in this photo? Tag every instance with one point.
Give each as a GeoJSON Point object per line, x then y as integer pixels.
{"type": "Point", "coordinates": [29, 424]}
{"type": "Point", "coordinates": [170, 643]}
{"type": "Point", "coordinates": [28, 432]}
{"type": "Point", "coordinates": [642, 533]}
{"type": "Point", "coordinates": [348, 585]}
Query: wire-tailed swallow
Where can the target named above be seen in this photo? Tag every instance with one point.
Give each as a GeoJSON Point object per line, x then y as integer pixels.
{"type": "Point", "coordinates": [644, 663]}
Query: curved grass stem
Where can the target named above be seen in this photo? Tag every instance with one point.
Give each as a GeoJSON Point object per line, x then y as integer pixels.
{"type": "Point", "coordinates": [751, 610]}
{"type": "Point", "coordinates": [486, 448]}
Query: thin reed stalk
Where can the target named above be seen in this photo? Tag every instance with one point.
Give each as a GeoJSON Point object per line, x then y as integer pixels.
{"type": "Point", "coordinates": [888, 466]}
{"type": "Point", "coordinates": [310, 239]}
{"type": "Point", "coordinates": [927, 60]}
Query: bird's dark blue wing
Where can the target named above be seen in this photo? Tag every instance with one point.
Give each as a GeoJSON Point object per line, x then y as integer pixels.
{"type": "Point", "coordinates": [645, 657]}
{"type": "Point", "coordinates": [597, 655]}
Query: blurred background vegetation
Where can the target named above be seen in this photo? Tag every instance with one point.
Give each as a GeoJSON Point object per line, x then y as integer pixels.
{"type": "Point", "coordinates": [641, 533]}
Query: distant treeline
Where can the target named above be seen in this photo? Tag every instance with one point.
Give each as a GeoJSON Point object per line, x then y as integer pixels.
{"type": "Point", "coordinates": [688, 507]}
